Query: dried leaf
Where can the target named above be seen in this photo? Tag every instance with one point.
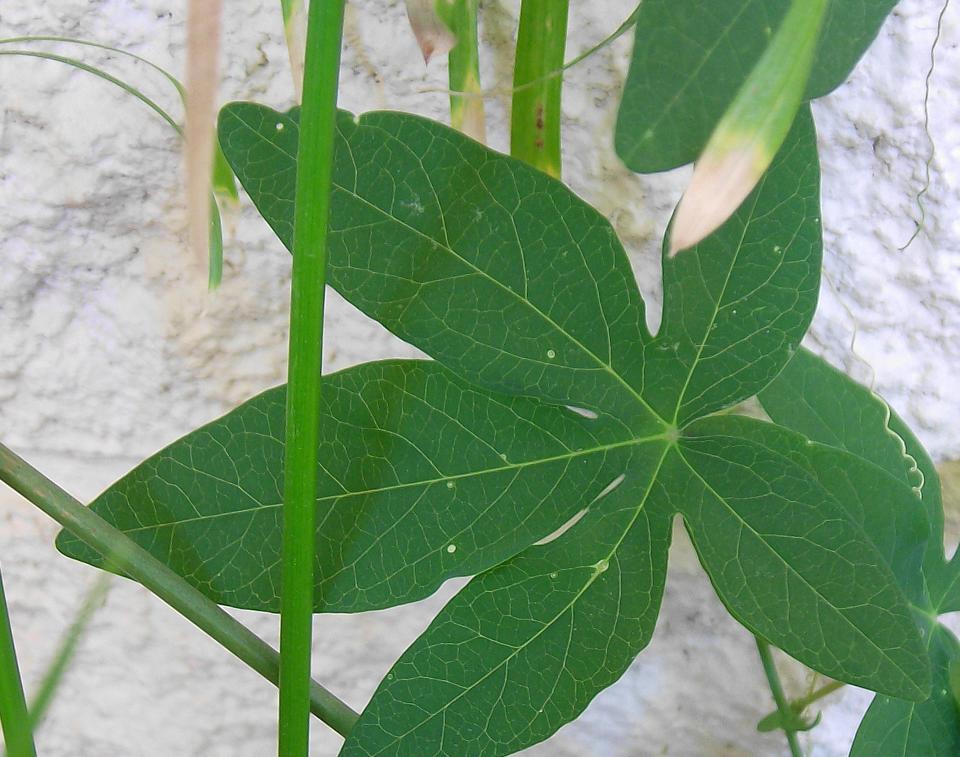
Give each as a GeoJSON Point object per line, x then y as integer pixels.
{"type": "Point", "coordinates": [432, 34]}
{"type": "Point", "coordinates": [203, 45]}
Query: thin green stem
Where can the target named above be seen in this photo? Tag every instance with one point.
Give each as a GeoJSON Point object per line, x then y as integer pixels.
{"type": "Point", "coordinates": [776, 688]}
{"type": "Point", "coordinates": [139, 565]}
{"type": "Point", "coordinates": [224, 185]}
{"type": "Point", "coordinates": [466, 113]}
{"type": "Point", "coordinates": [87, 43]}
{"type": "Point", "coordinates": [772, 721]}
{"type": "Point", "coordinates": [68, 646]}
{"type": "Point", "coordinates": [17, 733]}
{"type": "Point", "coordinates": [312, 202]}
{"type": "Point", "coordinates": [103, 75]}
{"type": "Point", "coordinates": [499, 91]}
{"type": "Point", "coordinates": [535, 117]}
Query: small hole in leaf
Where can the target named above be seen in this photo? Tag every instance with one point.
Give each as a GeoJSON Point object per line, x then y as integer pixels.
{"type": "Point", "coordinates": [611, 486]}
{"type": "Point", "coordinates": [563, 529]}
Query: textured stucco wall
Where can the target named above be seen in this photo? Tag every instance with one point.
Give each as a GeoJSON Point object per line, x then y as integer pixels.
{"type": "Point", "coordinates": [110, 348]}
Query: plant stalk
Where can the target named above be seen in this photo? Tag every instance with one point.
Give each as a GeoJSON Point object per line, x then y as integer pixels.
{"type": "Point", "coordinates": [463, 62]}
{"type": "Point", "coordinates": [312, 202]}
{"type": "Point", "coordinates": [772, 721]}
{"type": "Point", "coordinates": [17, 734]}
{"type": "Point", "coordinates": [139, 565]}
{"type": "Point", "coordinates": [776, 688]}
{"type": "Point", "coordinates": [535, 116]}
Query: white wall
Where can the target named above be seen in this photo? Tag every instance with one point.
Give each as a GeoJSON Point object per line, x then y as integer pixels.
{"type": "Point", "coordinates": [110, 348]}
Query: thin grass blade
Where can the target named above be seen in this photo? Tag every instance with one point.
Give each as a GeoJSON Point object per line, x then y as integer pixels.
{"type": "Point", "coordinates": [17, 733]}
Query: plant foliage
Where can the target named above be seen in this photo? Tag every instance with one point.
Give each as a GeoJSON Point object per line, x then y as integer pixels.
{"type": "Point", "coordinates": [548, 407]}
{"type": "Point", "coordinates": [691, 56]}
{"type": "Point", "coordinates": [550, 443]}
{"type": "Point", "coordinates": [831, 409]}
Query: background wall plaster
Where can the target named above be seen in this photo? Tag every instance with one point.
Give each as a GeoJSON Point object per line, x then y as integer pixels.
{"type": "Point", "coordinates": [110, 348]}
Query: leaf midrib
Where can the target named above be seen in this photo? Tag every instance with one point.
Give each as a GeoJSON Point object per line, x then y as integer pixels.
{"type": "Point", "coordinates": [605, 366]}
{"type": "Point", "coordinates": [394, 487]}
{"type": "Point", "coordinates": [813, 589]}
{"type": "Point", "coordinates": [546, 626]}
{"type": "Point", "coordinates": [655, 124]}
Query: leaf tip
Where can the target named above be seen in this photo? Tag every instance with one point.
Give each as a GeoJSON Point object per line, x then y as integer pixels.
{"type": "Point", "coordinates": [722, 180]}
{"type": "Point", "coordinates": [433, 36]}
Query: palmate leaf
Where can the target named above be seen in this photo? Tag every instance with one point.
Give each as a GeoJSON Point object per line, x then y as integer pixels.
{"type": "Point", "coordinates": [733, 309]}
{"type": "Point", "coordinates": [524, 297]}
{"type": "Point", "coordinates": [827, 406]}
{"type": "Point", "coordinates": [422, 478]}
{"type": "Point", "coordinates": [691, 56]}
{"type": "Point", "coordinates": [820, 401]}
{"type": "Point", "coordinates": [525, 647]}
{"type": "Point", "coordinates": [485, 263]}
{"type": "Point", "coordinates": [764, 517]}
{"type": "Point", "coordinates": [898, 728]}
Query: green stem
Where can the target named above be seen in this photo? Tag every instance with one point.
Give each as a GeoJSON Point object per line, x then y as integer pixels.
{"type": "Point", "coordinates": [311, 208]}
{"type": "Point", "coordinates": [139, 565]}
{"type": "Point", "coordinates": [17, 733]}
{"type": "Point", "coordinates": [48, 686]}
{"type": "Point", "coordinates": [776, 688]}
{"type": "Point", "coordinates": [535, 117]}
{"type": "Point", "coordinates": [466, 112]}
{"type": "Point", "coordinates": [223, 182]}
{"type": "Point", "coordinates": [772, 721]}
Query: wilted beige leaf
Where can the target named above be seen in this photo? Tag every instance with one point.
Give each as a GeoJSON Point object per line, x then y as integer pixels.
{"type": "Point", "coordinates": [432, 34]}
{"type": "Point", "coordinates": [203, 46]}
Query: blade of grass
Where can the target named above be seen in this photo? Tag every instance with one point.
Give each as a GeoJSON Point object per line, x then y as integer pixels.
{"type": "Point", "coordinates": [535, 116]}
{"type": "Point", "coordinates": [776, 688]}
{"type": "Point", "coordinates": [17, 733]}
{"type": "Point", "coordinates": [79, 64]}
{"type": "Point", "coordinates": [93, 600]}
{"type": "Point", "coordinates": [88, 43]}
{"type": "Point", "coordinates": [466, 113]}
{"type": "Point", "coordinates": [311, 203]}
{"type": "Point", "coordinates": [139, 565]}
{"type": "Point", "coordinates": [224, 182]}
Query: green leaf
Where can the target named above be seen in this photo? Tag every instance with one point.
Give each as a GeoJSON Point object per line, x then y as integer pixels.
{"type": "Point", "coordinates": [525, 647]}
{"type": "Point", "coordinates": [826, 405]}
{"type": "Point", "coordinates": [691, 56]}
{"type": "Point", "coordinates": [788, 558]}
{"type": "Point", "coordinates": [486, 264]}
{"type": "Point", "coordinates": [422, 478]}
{"type": "Point", "coordinates": [516, 286]}
{"type": "Point", "coordinates": [821, 402]}
{"type": "Point", "coordinates": [885, 509]}
{"type": "Point", "coordinates": [897, 728]}
{"type": "Point", "coordinates": [737, 305]}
